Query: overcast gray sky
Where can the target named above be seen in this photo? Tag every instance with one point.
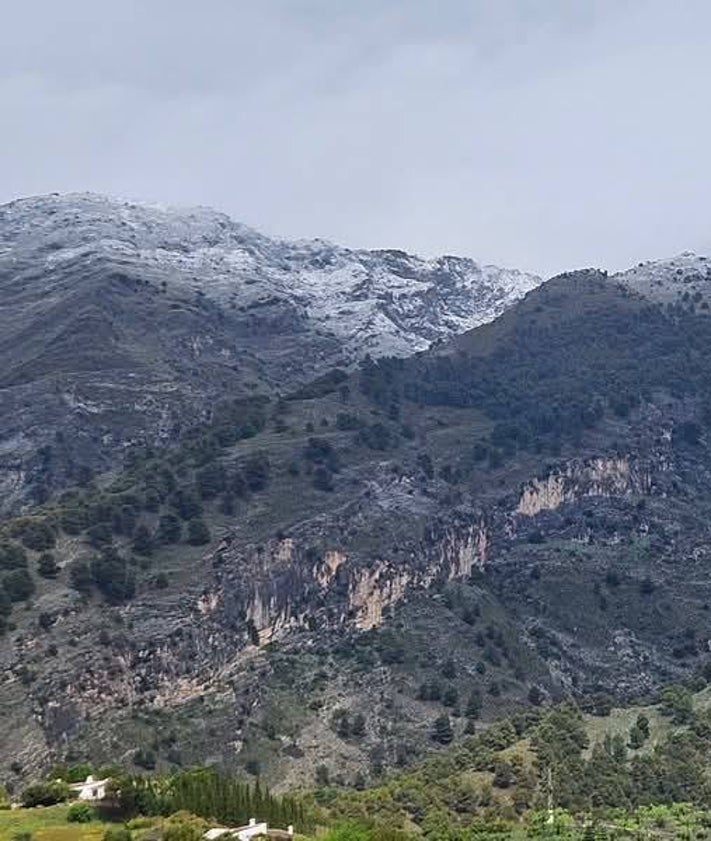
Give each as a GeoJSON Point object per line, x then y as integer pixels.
{"type": "Point", "coordinates": [542, 134]}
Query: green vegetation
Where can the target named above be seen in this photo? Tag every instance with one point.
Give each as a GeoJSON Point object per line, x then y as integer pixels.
{"type": "Point", "coordinates": [544, 379]}
{"type": "Point", "coordinates": [204, 793]}
{"type": "Point", "coordinates": [499, 782]}
{"type": "Point", "coordinates": [496, 784]}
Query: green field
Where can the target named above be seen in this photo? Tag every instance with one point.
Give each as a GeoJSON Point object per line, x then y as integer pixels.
{"type": "Point", "coordinates": [47, 824]}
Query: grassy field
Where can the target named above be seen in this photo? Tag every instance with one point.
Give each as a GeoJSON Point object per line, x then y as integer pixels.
{"type": "Point", "coordinates": [47, 824]}
{"type": "Point", "coordinates": [620, 721]}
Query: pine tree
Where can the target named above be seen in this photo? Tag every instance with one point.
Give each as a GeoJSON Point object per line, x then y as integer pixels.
{"type": "Point", "coordinates": [442, 730]}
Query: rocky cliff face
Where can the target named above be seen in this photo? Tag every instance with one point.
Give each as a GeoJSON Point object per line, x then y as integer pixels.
{"type": "Point", "coordinates": [598, 477]}
{"type": "Point", "coordinates": [310, 582]}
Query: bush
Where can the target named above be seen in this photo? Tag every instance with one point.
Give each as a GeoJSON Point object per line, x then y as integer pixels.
{"type": "Point", "coordinates": [170, 529]}
{"type": "Point", "coordinates": [182, 832]}
{"type": "Point", "coordinates": [117, 833]}
{"type": "Point", "coordinates": [73, 521]}
{"type": "Point", "coordinates": [112, 576]}
{"type": "Point", "coordinates": [442, 730]}
{"type": "Point", "coordinates": [186, 504]}
{"type": "Point", "coordinates": [182, 826]}
{"type": "Point", "coordinates": [348, 422]}
{"type": "Point", "coordinates": [80, 577]}
{"type": "Point", "coordinates": [5, 603]}
{"type": "Point", "coordinates": [99, 534]}
{"type": "Point", "coordinates": [377, 436]}
{"type": "Point", "coordinates": [45, 794]}
{"type": "Point", "coordinates": [145, 758]}
{"type": "Point", "coordinates": [198, 533]}
{"type": "Point", "coordinates": [535, 695]}
{"type": "Point", "coordinates": [676, 702]}
{"type": "Point", "coordinates": [80, 813]}
{"type": "Point", "coordinates": [322, 479]}
{"type": "Point", "coordinates": [18, 585]}
{"type": "Point", "coordinates": [210, 481]}
{"type": "Point", "coordinates": [37, 535]}
{"type": "Point", "coordinates": [47, 566]}
{"type": "Point", "coordinates": [142, 541]}
{"type": "Point", "coordinates": [473, 709]}
{"type": "Point", "coordinates": [256, 472]}
{"type": "Point", "coordinates": [320, 451]}
{"type": "Point", "coordinates": [12, 556]}
{"type": "Point", "coordinates": [450, 697]}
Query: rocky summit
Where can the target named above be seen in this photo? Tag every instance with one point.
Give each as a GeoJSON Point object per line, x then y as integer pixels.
{"type": "Point", "coordinates": [284, 507]}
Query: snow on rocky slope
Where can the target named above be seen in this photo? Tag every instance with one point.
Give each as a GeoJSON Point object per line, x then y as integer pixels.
{"type": "Point", "coordinates": [684, 279]}
{"type": "Point", "coordinates": [378, 302]}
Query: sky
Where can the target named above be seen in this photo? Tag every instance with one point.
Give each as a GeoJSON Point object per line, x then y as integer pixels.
{"type": "Point", "coordinates": [539, 134]}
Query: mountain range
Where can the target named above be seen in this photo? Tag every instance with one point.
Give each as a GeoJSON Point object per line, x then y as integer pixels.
{"type": "Point", "coordinates": [122, 321]}
{"type": "Point", "coordinates": [280, 506]}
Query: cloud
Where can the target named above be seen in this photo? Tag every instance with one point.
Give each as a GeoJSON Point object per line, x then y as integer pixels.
{"type": "Point", "coordinates": [545, 135]}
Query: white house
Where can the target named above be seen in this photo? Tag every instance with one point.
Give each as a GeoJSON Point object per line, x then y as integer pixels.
{"type": "Point", "coordinates": [244, 833]}
{"type": "Point", "coordinates": [90, 789]}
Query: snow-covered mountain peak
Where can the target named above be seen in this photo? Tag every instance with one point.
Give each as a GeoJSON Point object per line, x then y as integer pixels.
{"type": "Point", "coordinates": [382, 301]}
{"type": "Point", "coordinates": [681, 279]}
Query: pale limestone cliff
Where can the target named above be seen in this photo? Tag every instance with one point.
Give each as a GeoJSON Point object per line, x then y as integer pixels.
{"type": "Point", "coordinates": [610, 476]}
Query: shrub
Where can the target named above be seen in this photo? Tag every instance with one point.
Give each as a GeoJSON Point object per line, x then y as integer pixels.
{"type": "Point", "coordinates": [322, 479]}
{"type": "Point", "coordinates": [442, 730]}
{"type": "Point", "coordinates": [170, 529]}
{"type": "Point", "coordinates": [377, 436]}
{"type": "Point", "coordinates": [151, 499]}
{"type": "Point", "coordinates": [142, 541]}
{"type": "Point", "coordinates": [186, 504]}
{"type": "Point", "coordinates": [124, 520]}
{"type": "Point", "coordinates": [45, 794]}
{"type": "Point", "coordinates": [18, 585]}
{"type": "Point", "coordinates": [117, 833]}
{"type": "Point", "coordinates": [5, 603]}
{"type": "Point", "coordinates": [37, 535]}
{"type": "Point", "coordinates": [182, 826]}
{"type": "Point", "coordinates": [322, 775]}
{"type": "Point", "coordinates": [676, 702]}
{"type": "Point", "coordinates": [80, 813]}
{"type": "Point", "coordinates": [256, 472]}
{"type": "Point", "coordinates": [99, 534]}
{"type": "Point", "coordinates": [449, 669]}
{"type": "Point", "coordinates": [210, 480]}
{"type": "Point", "coordinates": [450, 697]}
{"type": "Point", "coordinates": [47, 566]}
{"type": "Point", "coordinates": [535, 695]}
{"type": "Point", "coordinates": [473, 709]}
{"type": "Point", "coordinates": [80, 577]}
{"type": "Point", "coordinates": [73, 520]}
{"type": "Point", "coordinates": [227, 505]}
{"type": "Point", "coordinates": [145, 758]}
{"type": "Point", "coordinates": [12, 556]}
{"type": "Point", "coordinates": [198, 533]}
{"type": "Point", "coordinates": [182, 832]}
{"type": "Point", "coordinates": [112, 576]}
{"type": "Point", "coordinates": [348, 422]}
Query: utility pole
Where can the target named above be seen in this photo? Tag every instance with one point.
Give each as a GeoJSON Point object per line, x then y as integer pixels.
{"type": "Point", "coordinates": [551, 817]}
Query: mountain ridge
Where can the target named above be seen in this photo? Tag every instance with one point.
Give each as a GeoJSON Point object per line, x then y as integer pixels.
{"type": "Point", "coordinates": [121, 322]}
